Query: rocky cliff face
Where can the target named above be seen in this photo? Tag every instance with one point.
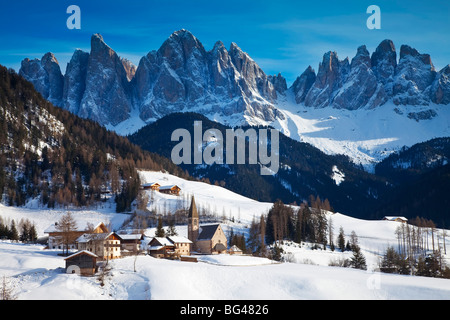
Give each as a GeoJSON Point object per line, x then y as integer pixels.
{"type": "Point", "coordinates": [440, 89]}
{"type": "Point", "coordinates": [370, 81]}
{"type": "Point", "coordinates": [46, 76]}
{"type": "Point", "coordinates": [227, 83]}
{"type": "Point", "coordinates": [182, 76]}
{"type": "Point", "coordinates": [75, 81]}
{"type": "Point", "coordinates": [107, 95]}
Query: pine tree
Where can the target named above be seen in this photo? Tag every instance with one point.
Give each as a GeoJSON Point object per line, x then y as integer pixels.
{"type": "Point", "coordinates": [358, 261]}
{"type": "Point", "coordinates": [32, 233]}
{"type": "Point", "coordinates": [341, 240]}
{"type": "Point", "coordinates": [159, 229]}
{"type": "Point", "coordinates": [13, 234]}
{"type": "Point", "coordinates": [171, 231]}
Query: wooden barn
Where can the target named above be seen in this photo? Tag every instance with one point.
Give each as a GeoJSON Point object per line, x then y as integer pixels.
{"type": "Point", "coordinates": [173, 189]}
{"type": "Point", "coordinates": [82, 262]}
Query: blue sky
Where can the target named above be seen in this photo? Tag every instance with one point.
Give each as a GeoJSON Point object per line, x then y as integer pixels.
{"type": "Point", "coordinates": [281, 36]}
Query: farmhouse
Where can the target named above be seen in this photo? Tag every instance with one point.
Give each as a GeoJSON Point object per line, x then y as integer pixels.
{"type": "Point", "coordinates": [397, 219]}
{"type": "Point", "coordinates": [160, 247]}
{"type": "Point", "coordinates": [105, 245]}
{"type": "Point", "coordinates": [55, 236]}
{"type": "Point", "coordinates": [151, 186]}
{"type": "Point", "coordinates": [131, 243]}
{"type": "Point", "coordinates": [182, 245]}
{"type": "Point", "coordinates": [82, 262]}
{"type": "Point", "coordinates": [173, 189]}
{"type": "Point", "coordinates": [207, 239]}
{"type": "Point", "coordinates": [169, 247]}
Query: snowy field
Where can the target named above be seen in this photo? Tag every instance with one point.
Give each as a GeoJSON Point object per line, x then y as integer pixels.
{"type": "Point", "coordinates": [36, 273]}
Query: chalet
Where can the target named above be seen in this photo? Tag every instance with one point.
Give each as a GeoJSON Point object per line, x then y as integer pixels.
{"type": "Point", "coordinates": [151, 186]}
{"type": "Point", "coordinates": [55, 235]}
{"type": "Point", "coordinates": [182, 245]}
{"type": "Point", "coordinates": [131, 243]}
{"type": "Point", "coordinates": [82, 262]}
{"type": "Point", "coordinates": [396, 219]}
{"type": "Point", "coordinates": [105, 245]}
{"type": "Point", "coordinates": [172, 247]}
{"type": "Point", "coordinates": [160, 247]}
{"type": "Point", "coordinates": [173, 189]}
{"type": "Point", "coordinates": [207, 239]}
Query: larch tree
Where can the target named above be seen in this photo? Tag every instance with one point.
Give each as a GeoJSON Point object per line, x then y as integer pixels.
{"type": "Point", "coordinates": [67, 226]}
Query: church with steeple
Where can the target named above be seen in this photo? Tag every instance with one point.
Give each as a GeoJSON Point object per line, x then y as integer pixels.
{"type": "Point", "coordinates": [206, 239]}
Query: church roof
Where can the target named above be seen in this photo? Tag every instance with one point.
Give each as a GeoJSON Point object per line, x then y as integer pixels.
{"type": "Point", "coordinates": [208, 231]}
{"type": "Point", "coordinates": [220, 247]}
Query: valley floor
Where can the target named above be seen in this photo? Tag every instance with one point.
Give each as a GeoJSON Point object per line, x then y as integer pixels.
{"type": "Point", "coordinates": [38, 274]}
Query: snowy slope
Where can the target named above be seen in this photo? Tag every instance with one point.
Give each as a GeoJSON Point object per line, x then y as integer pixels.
{"type": "Point", "coordinates": [213, 197]}
{"type": "Point", "coordinates": [35, 273]}
{"type": "Point", "coordinates": [43, 217]}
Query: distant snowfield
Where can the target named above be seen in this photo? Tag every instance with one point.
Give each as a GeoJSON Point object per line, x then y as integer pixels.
{"type": "Point", "coordinates": [37, 274]}
{"type": "Point", "coordinates": [367, 136]}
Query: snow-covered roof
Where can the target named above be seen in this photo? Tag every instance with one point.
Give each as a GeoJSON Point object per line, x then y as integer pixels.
{"type": "Point", "coordinates": [168, 187]}
{"type": "Point", "coordinates": [149, 184]}
{"type": "Point", "coordinates": [86, 237]}
{"type": "Point", "coordinates": [135, 236]}
{"type": "Point", "coordinates": [234, 248]}
{"type": "Point", "coordinates": [163, 241]}
{"type": "Point", "coordinates": [155, 248]}
{"type": "Point", "coordinates": [179, 239]}
{"type": "Point", "coordinates": [80, 252]}
{"type": "Point", "coordinates": [82, 226]}
{"type": "Point", "coordinates": [393, 218]}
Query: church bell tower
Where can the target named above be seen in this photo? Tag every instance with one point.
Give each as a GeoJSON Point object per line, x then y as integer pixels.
{"type": "Point", "coordinates": [193, 223]}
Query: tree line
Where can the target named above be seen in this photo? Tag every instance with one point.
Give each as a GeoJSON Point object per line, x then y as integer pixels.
{"type": "Point", "coordinates": [24, 231]}
{"type": "Point", "coordinates": [420, 250]}
{"type": "Point", "coordinates": [308, 223]}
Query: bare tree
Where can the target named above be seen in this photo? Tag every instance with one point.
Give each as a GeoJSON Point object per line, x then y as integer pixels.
{"type": "Point", "coordinates": [330, 231]}
{"type": "Point", "coordinates": [6, 290]}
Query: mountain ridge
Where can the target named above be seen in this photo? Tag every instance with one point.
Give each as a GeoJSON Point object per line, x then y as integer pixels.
{"type": "Point", "coordinates": [228, 86]}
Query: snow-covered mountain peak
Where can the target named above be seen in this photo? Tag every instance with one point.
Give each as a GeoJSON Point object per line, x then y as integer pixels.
{"type": "Point", "coordinates": [230, 87]}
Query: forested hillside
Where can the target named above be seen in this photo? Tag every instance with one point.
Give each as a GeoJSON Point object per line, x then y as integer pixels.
{"type": "Point", "coordinates": [49, 154]}
{"type": "Point", "coordinates": [303, 171]}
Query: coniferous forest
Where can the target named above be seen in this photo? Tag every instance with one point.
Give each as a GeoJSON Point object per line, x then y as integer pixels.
{"type": "Point", "coordinates": [49, 154]}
